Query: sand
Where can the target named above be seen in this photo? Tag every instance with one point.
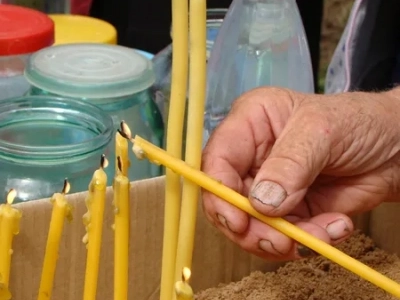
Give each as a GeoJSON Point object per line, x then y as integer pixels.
{"type": "Point", "coordinates": [314, 279]}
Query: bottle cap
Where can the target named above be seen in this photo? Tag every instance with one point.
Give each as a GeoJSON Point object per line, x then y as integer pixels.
{"type": "Point", "coordinates": [82, 29]}
{"type": "Point", "coordinates": [24, 30]}
{"type": "Point", "coordinates": [94, 71]}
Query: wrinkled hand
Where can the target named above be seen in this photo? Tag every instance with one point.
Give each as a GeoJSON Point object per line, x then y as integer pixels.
{"type": "Point", "coordinates": [313, 159]}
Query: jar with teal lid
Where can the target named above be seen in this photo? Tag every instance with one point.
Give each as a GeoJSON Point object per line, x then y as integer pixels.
{"type": "Point", "coordinates": [117, 79]}
{"type": "Point", "coordinates": [45, 139]}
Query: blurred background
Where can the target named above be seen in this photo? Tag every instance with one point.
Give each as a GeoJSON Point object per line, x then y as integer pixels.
{"type": "Point", "coordinates": [146, 24]}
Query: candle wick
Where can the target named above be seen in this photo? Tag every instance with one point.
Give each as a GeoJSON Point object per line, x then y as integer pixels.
{"type": "Point", "coordinates": [103, 162]}
{"type": "Point", "coordinates": [125, 131]}
{"type": "Point", "coordinates": [186, 273]}
{"type": "Point", "coordinates": [67, 187]}
{"type": "Point", "coordinates": [119, 161]}
{"type": "Point", "coordinates": [11, 196]}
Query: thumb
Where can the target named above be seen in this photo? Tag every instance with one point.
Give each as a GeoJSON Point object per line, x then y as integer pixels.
{"type": "Point", "coordinates": [296, 159]}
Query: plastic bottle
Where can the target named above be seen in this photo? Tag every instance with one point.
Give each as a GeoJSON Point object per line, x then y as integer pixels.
{"type": "Point", "coordinates": [260, 43]}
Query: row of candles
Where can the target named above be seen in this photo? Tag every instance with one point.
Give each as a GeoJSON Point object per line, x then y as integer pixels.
{"type": "Point", "coordinates": [10, 218]}
{"type": "Point", "coordinates": [179, 228]}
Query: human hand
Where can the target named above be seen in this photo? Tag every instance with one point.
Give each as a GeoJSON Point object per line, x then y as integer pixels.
{"type": "Point", "coordinates": [314, 160]}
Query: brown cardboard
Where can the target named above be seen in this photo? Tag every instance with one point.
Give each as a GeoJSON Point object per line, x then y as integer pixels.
{"type": "Point", "coordinates": [216, 259]}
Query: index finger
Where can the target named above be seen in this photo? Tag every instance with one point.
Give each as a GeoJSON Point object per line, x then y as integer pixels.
{"type": "Point", "coordinates": [238, 147]}
{"type": "Point", "coordinates": [244, 139]}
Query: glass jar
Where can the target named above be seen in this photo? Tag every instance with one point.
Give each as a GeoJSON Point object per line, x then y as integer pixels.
{"type": "Point", "coordinates": [45, 139]}
{"type": "Point", "coordinates": [22, 32]}
{"type": "Point", "coordinates": [115, 78]}
{"type": "Point", "coordinates": [82, 29]}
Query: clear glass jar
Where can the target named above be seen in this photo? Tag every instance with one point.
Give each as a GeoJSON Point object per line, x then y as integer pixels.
{"type": "Point", "coordinates": [115, 78]}
{"type": "Point", "coordinates": [17, 42]}
{"type": "Point", "coordinates": [45, 139]}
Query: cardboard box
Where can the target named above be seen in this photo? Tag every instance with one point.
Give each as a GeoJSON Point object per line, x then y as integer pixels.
{"type": "Point", "coordinates": [216, 259]}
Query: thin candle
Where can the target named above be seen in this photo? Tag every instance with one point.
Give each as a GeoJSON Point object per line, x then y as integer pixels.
{"type": "Point", "coordinates": [121, 227]}
{"type": "Point", "coordinates": [9, 227]}
{"type": "Point", "coordinates": [93, 221]}
{"type": "Point", "coordinates": [121, 151]}
{"type": "Point", "coordinates": [176, 115]}
{"type": "Point", "coordinates": [62, 211]}
{"type": "Point", "coordinates": [183, 290]}
{"type": "Point", "coordinates": [144, 149]}
{"type": "Point", "coordinates": [194, 137]}
{"type": "Point", "coordinates": [4, 292]}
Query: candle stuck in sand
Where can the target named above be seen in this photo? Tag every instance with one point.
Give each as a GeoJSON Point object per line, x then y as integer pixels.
{"type": "Point", "coordinates": [9, 227]}
{"type": "Point", "coordinates": [62, 211]}
{"type": "Point", "coordinates": [121, 228]}
{"type": "Point", "coordinates": [93, 221]}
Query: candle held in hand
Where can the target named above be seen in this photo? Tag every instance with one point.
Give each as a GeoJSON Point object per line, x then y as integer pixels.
{"type": "Point", "coordinates": [9, 226]}
{"type": "Point", "coordinates": [121, 227]}
{"type": "Point", "coordinates": [144, 148]}
{"type": "Point", "coordinates": [183, 290]}
{"type": "Point", "coordinates": [93, 221]}
{"type": "Point", "coordinates": [62, 211]}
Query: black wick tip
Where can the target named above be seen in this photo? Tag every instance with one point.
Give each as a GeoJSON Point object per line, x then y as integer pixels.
{"type": "Point", "coordinates": [119, 162]}
{"type": "Point", "coordinates": [122, 133]}
{"type": "Point", "coordinates": [66, 186]}
{"type": "Point", "coordinates": [103, 161]}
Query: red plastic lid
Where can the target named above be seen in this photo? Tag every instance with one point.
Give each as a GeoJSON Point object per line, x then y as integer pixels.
{"type": "Point", "coordinates": [24, 30]}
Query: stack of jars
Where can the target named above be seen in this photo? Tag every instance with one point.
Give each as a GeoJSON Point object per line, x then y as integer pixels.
{"type": "Point", "coordinates": [61, 104]}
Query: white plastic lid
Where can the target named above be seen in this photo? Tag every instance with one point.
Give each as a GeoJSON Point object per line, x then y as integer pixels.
{"type": "Point", "coordinates": [90, 71]}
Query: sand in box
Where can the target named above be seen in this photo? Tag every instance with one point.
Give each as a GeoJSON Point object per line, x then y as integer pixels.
{"type": "Point", "coordinates": [315, 278]}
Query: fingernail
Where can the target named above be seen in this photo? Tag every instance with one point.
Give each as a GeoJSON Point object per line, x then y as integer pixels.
{"type": "Point", "coordinates": [305, 252]}
{"type": "Point", "coordinates": [267, 246]}
{"type": "Point", "coordinates": [337, 229]}
{"type": "Point", "coordinates": [223, 221]}
{"type": "Point", "coordinates": [269, 193]}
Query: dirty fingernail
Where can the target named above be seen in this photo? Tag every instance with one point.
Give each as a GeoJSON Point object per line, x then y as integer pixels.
{"type": "Point", "coordinates": [269, 193]}
{"type": "Point", "coordinates": [267, 246]}
{"type": "Point", "coordinates": [337, 229]}
{"type": "Point", "coordinates": [305, 252]}
{"type": "Point", "coordinates": [223, 221]}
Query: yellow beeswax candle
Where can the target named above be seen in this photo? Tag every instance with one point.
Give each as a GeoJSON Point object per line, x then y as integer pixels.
{"type": "Point", "coordinates": [176, 115]}
{"type": "Point", "coordinates": [4, 292]}
{"type": "Point", "coordinates": [194, 137]}
{"type": "Point", "coordinates": [183, 290]}
{"type": "Point", "coordinates": [171, 227]}
{"type": "Point", "coordinates": [9, 226]}
{"type": "Point", "coordinates": [143, 149]}
{"type": "Point", "coordinates": [121, 227]}
{"type": "Point", "coordinates": [62, 211]}
{"type": "Point", "coordinates": [93, 221]}
{"type": "Point", "coordinates": [121, 150]}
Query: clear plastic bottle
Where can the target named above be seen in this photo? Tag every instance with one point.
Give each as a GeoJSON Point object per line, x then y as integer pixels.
{"type": "Point", "coordinates": [260, 43]}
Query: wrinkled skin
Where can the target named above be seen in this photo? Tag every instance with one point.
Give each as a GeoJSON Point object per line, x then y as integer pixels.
{"type": "Point", "coordinates": [315, 160]}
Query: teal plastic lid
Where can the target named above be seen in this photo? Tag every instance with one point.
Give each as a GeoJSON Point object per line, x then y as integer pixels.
{"type": "Point", "coordinates": [90, 71]}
